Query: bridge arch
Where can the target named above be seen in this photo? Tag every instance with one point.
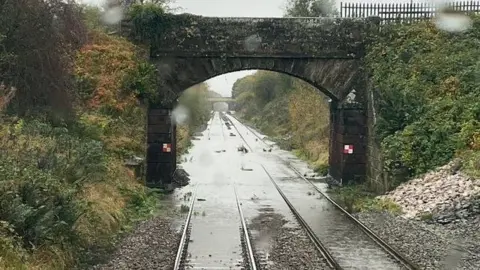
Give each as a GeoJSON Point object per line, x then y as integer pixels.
{"type": "Point", "coordinates": [325, 52]}
{"type": "Point", "coordinates": [222, 106]}
{"type": "Point", "coordinates": [333, 77]}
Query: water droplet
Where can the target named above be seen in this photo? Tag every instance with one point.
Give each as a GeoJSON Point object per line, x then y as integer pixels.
{"type": "Point", "coordinates": [252, 42]}
{"type": "Point", "coordinates": [219, 177]}
{"type": "Point", "coordinates": [180, 115]}
{"type": "Point", "coordinates": [113, 15]}
{"type": "Point", "coordinates": [205, 159]}
{"type": "Point", "coordinates": [322, 7]}
{"type": "Point", "coordinates": [452, 21]}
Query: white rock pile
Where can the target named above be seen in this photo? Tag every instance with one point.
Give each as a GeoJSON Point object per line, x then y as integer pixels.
{"type": "Point", "coordinates": [444, 194]}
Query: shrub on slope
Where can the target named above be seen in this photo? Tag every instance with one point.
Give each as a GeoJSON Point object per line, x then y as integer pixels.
{"type": "Point", "coordinates": [427, 92]}
{"type": "Point", "coordinates": [64, 189]}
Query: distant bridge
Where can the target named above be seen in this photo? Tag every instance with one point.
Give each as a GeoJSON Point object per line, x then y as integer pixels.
{"type": "Point", "coordinates": [232, 104]}
{"type": "Point", "coordinates": [221, 99]}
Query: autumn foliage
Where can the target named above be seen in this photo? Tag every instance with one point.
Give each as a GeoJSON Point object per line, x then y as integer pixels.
{"type": "Point", "coordinates": [64, 189]}
{"type": "Point", "coordinates": [101, 67]}
{"type": "Point", "coordinates": [289, 110]}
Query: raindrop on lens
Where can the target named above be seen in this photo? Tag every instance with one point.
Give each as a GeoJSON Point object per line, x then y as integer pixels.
{"type": "Point", "coordinates": [451, 20]}
{"type": "Point", "coordinates": [253, 42]}
{"type": "Point", "coordinates": [180, 115]}
{"type": "Point", "coordinates": [113, 15]}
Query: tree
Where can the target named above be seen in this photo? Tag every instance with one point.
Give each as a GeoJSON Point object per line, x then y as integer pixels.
{"type": "Point", "coordinates": [311, 8]}
{"type": "Point", "coordinates": [195, 100]}
{"type": "Point", "coordinates": [165, 4]}
{"type": "Point", "coordinates": [40, 38]}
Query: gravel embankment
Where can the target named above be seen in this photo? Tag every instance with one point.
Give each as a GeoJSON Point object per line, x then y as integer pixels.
{"type": "Point", "coordinates": [152, 245]}
{"type": "Point", "coordinates": [287, 248]}
{"type": "Point", "coordinates": [440, 224]}
{"type": "Point", "coordinates": [430, 246]}
{"type": "Point", "coordinates": [445, 194]}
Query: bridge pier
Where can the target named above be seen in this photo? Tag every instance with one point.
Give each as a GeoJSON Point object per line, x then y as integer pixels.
{"type": "Point", "coordinates": [161, 148]}
{"type": "Point", "coordinates": [348, 143]}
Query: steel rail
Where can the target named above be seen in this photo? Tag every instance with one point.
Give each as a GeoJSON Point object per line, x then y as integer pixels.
{"type": "Point", "coordinates": [389, 249]}
{"type": "Point", "coordinates": [318, 244]}
{"type": "Point", "coordinates": [184, 238]}
{"type": "Point", "coordinates": [250, 255]}
{"type": "Point", "coordinates": [222, 123]}
{"type": "Point", "coordinates": [241, 136]}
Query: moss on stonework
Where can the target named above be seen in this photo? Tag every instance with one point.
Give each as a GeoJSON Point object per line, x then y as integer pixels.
{"type": "Point", "coordinates": [314, 37]}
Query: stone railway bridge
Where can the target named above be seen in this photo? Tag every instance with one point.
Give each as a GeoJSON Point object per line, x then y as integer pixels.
{"type": "Point", "coordinates": [229, 101]}
{"type": "Point", "coordinates": [325, 52]}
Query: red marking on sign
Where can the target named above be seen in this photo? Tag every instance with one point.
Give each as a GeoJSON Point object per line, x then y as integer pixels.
{"type": "Point", "coordinates": [167, 147]}
{"type": "Point", "coordinates": [348, 149]}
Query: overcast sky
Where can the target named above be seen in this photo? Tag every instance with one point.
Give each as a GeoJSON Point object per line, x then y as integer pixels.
{"type": "Point", "coordinates": [242, 8]}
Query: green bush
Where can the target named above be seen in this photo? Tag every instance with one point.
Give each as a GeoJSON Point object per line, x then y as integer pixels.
{"type": "Point", "coordinates": [42, 171]}
{"type": "Point", "coordinates": [142, 81]}
{"type": "Point", "coordinates": [427, 94]}
{"type": "Point", "coordinates": [10, 249]}
{"type": "Point", "coordinates": [145, 20]}
{"type": "Point", "coordinates": [64, 190]}
{"type": "Point", "coordinates": [39, 209]}
{"type": "Point", "coordinates": [85, 87]}
{"type": "Point", "coordinates": [471, 162]}
{"type": "Point", "coordinates": [358, 198]}
{"type": "Point", "coordinates": [321, 169]}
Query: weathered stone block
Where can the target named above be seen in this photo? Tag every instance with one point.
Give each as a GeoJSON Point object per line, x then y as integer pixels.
{"type": "Point", "coordinates": [159, 120]}
{"type": "Point", "coordinates": [158, 128]}
{"type": "Point", "coordinates": [186, 35]}
{"type": "Point", "coordinates": [159, 137]}
{"type": "Point", "coordinates": [161, 112]}
{"type": "Point", "coordinates": [356, 158]}
{"type": "Point", "coordinates": [159, 157]}
{"type": "Point", "coordinates": [352, 130]}
{"type": "Point", "coordinates": [159, 174]}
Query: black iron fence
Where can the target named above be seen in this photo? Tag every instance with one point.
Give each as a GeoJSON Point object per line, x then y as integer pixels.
{"type": "Point", "coordinates": [403, 12]}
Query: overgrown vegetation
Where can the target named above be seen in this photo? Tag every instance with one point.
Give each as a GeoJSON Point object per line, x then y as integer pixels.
{"type": "Point", "coordinates": [358, 198]}
{"type": "Point", "coordinates": [427, 95]}
{"type": "Point", "coordinates": [72, 104]}
{"type": "Point", "coordinates": [30, 42]}
{"type": "Point", "coordinates": [310, 8]}
{"type": "Point", "coordinates": [195, 112]}
{"type": "Point", "coordinates": [288, 110]}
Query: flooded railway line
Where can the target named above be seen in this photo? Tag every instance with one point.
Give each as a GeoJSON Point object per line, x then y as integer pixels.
{"type": "Point", "coordinates": [184, 259]}
{"type": "Point", "coordinates": [214, 236]}
{"type": "Point", "coordinates": [335, 243]}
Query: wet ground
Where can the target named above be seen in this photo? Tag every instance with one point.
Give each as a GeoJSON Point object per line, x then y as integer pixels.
{"type": "Point", "coordinates": [217, 169]}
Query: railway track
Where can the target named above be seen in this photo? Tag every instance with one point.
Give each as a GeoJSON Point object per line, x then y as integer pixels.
{"type": "Point", "coordinates": [389, 249]}
{"type": "Point", "coordinates": [222, 123]}
{"type": "Point", "coordinates": [181, 259]}
{"type": "Point", "coordinates": [247, 245]}
{"type": "Point", "coordinates": [318, 244]}
{"type": "Point", "coordinates": [238, 132]}
{"type": "Point", "coordinates": [183, 245]}
{"type": "Point", "coordinates": [321, 247]}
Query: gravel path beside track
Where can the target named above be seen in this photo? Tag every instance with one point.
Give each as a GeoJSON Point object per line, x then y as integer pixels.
{"type": "Point", "coordinates": [430, 246]}
{"type": "Point", "coordinates": [151, 245]}
{"type": "Point", "coordinates": [291, 248]}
